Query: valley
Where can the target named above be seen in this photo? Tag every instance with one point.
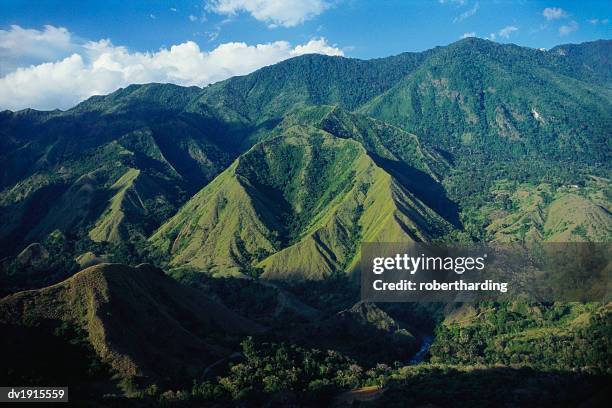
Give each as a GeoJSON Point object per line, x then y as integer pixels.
{"type": "Point", "coordinates": [196, 246]}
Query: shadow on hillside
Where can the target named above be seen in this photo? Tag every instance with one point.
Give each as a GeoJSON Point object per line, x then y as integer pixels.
{"type": "Point", "coordinates": [41, 356]}
{"type": "Point", "coordinates": [423, 186]}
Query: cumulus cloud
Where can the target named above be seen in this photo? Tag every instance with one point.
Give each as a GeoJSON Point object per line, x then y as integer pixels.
{"type": "Point", "coordinates": [506, 31]}
{"type": "Point", "coordinates": [101, 67]}
{"type": "Point", "coordinates": [20, 46]}
{"type": "Point", "coordinates": [467, 14]}
{"type": "Point", "coordinates": [286, 13]}
{"type": "Point", "coordinates": [467, 35]}
{"type": "Point", "coordinates": [554, 13]}
{"type": "Point", "coordinates": [568, 28]}
{"type": "Point", "coordinates": [316, 46]}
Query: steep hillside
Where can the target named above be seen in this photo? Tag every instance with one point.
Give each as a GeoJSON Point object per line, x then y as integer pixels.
{"type": "Point", "coordinates": [146, 326]}
{"type": "Point", "coordinates": [402, 154]}
{"type": "Point", "coordinates": [136, 180]}
{"type": "Point", "coordinates": [296, 206]}
{"type": "Point", "coordinates": [589, 58]}
{"type": "Point", "coordinates": [503, 101]}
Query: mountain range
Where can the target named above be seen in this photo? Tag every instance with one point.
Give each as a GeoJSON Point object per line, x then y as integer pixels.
{"type": "Point", "coordinates": [126, 162]}
{"type": "Point", "coordinates": [252, 197]}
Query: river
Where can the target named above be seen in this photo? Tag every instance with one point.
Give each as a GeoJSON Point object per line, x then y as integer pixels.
{"type": "Point", "coordinates": [420, 355]}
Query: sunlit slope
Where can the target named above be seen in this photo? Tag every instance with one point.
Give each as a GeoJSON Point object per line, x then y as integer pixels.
{"type": "Point", "coordinates": [378, 138]}
{"type": "Point", "coordinates": [503, 99]}
{"type": "Point", "coordinates": [559, 335]}
{"type": "Point", "coordinates": [271, 92]}
{"type": "Point", "coordinates": [544, 213]}
{"type": "Point", "coordinates": [296, 206]}
{"type": "Point", "coordinates": [401, 154]}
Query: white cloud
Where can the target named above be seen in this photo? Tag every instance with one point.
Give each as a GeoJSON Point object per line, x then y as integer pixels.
{"type": "Point", "coordinates": [467, 35]}
{"type": "Point", "coordinates": [568, 28]}
{"type": "Point", "coordinates": [596, 21]}
{"type": "Point", "coordinates": [467, 14]}
{"type": "Point", "coordinates": [20, 46]}
{"type": "Point", "coordinates": [554, 13]}
{"type": "Point", "coordinates": [316, 46]}
{"type": "Point", "coordinates": [492, 36]}
{"type": "Point", "coordinates": [100, 67]}
{"type": "Point", "coordinates": [286, 13]}
{"type": "Point", "coordinates": [506, 31]}
{"type": "Point", "coordinates": [458, 2]}
{"type": "Point", "coordinates": [192, 18]}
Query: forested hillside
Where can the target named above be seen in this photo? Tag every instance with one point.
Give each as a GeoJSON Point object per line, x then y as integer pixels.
{"type": "Point", "coordinates": [251, 197]}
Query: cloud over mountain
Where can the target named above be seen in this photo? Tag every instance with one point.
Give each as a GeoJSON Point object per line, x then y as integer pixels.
{"type": "Point", "coordinates": [65, 71]}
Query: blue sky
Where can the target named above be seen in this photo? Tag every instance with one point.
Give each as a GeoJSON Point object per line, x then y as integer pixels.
{"type": "Point", "coordinates": [366, 28]}
{"type": "Point", "coordinates": [107, 44]}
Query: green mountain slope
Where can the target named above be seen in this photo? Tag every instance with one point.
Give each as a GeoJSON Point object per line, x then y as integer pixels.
{"type": "Point", "coordinates": [567, 213]}
{"type": "Point", "coordinates": [296, 206]}
{"type": "Point", "coordinates": [269, 93]}
{"type": "Point", "coordinates": [481, 111]}
{"type": "Point", "coordinates": [505, 100]}
{"type": "Point", "coordinates": [419, 168]}
{"type": "Point", "coordinates": [138, 178]}
{"type": "Point", "coordinates": [561, 335]}
{"type": "Point", "coordinates": [140, 322]}
{"type": "Point", "coordinates": [591, 59]}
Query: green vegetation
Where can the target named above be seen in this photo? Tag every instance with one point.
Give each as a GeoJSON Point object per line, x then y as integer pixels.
{"type": "Point", "coordinates": [560, 336]}
{"type": "Point", "coordinates": [296, 206]}
{"type": "Point", "coordinates": [254, 195]}
{"type": "Point", "coordinates": [481, 386]}
{"type": "Point", "coordinates": [143, 324]}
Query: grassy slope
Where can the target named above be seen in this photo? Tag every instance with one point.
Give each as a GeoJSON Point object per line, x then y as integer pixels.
{"type": "Point", "coordinates": [306, 197]}
{"type": "Point", "coordinates": [113, 306]}
{"type": "Point", "coordinates": [544, 213]}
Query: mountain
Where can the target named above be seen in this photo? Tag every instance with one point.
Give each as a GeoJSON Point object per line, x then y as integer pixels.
{"type": "Point", "coordinates": [267, 94]}
{"type": "Point", "coordinates": [255, 194]}
{"type": "Point", "coordinates": [503, 101]}
{"type": "Point", "coordinates": [446, 124]}
{"type": "Point", "coordinates": [590, 58]}
{"type": "Point", "coordinates": [143, 324]}
{"type": "Point", "coordinates": [297, 205]}
{"type": "Point", "coordinates": [120, 162]}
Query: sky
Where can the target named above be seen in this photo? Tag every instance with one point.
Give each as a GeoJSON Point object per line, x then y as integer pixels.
{"type": "Point", "coordinates": [54, 54]}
